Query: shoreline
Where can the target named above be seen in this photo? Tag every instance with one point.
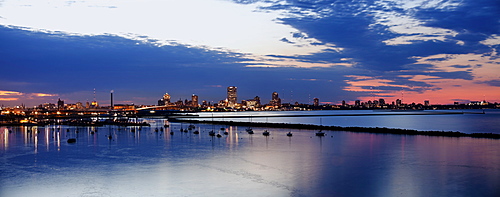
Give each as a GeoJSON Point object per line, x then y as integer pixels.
{"type": "Point", "coordinates": [379, 130]}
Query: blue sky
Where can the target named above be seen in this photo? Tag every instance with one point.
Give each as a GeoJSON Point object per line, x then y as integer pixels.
{"type": "Point", "coordinates": [442, 51]}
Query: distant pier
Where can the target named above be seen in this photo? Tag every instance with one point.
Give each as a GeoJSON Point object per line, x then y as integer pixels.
{"type": "Point", "coordinates": [380, 130]}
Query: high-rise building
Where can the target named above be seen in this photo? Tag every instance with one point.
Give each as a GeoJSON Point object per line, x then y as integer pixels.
{"type": "Point", "coordinates": [275, 100]}
{"type": "Point", "coordinates": [79, 105]}
{"type": "Point", "coordinates": [257, 101]}
{"type": "Point", "coordinates": [399, 102]}
{"type": "Point", "coordinates": [60, 104]}
{"type": "Point", "coordinates": [165, 100]}
{"type": "Point", "coordinates": [316, 102]}
{"type": "Point", "coordinates": [232, 96]}
{"type": "Point", "coordinates": [194, 100]}
{"type": "Point", "coordinates": [357, 103]}
{"type": "Point", "coordinates": [253, 103]}
{"type": "Point", "coordinates": [94, 104]}
{"type": "Point", "coordinates": [426, 103]}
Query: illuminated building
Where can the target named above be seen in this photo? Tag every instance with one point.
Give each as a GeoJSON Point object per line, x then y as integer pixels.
{"type": "Point", "coordinates": [165, 100]}
{"type": "Point", "coordinates": [275, 100]}
{"type": "Point", "coordinates": [232, 96]}
{"type": "Point", "coordinates": [316, 102]}
{"type": "Point", "coordinates": [79, 105]}
{"type": "Point", "coordinates": [194, 100]}
{"type": "Point", "coordinates": [253, 103]}
{"type": "Point", "coordinates": [124, 107]}
{"type": "Point", "coordinates": [94, 104]}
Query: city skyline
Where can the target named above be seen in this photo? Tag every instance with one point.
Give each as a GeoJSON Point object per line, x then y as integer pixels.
{"type": "Point", "coordinates": [231, 102]}
{"type": "Point", "coordinates": [439, 50]}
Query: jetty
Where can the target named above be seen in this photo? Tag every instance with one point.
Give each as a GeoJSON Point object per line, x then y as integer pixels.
{"type": "Point", "coordinates": [379, 130]}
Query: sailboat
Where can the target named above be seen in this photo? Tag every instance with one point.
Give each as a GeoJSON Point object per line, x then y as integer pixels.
{"type": "Point", "coordinates": [320, 132]}
{"type": "Point", "coordinates": [249, 129]}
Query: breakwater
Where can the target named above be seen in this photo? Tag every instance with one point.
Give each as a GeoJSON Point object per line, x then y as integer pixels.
{"type": "Point", "coordinates": [379, 130]}
{"type": "Point", "coordinates": [378, 113]}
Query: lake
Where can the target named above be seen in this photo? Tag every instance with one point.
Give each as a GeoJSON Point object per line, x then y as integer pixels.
{"type": "Point", "coordinates": [38, 161]}
{"type": "Point", "coordinates": [471, 121]}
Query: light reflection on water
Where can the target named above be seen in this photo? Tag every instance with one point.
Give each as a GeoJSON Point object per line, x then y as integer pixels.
{"type": "Point", "coordinates": [39, 162]}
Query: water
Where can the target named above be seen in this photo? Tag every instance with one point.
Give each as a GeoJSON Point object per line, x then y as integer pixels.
{"type": "Point", "coordinates": [470, 122]}
{"type": "Point", "coordinates": [39, 162]}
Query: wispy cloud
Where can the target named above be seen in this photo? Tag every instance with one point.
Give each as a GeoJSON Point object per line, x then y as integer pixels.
{"type": "Point", "coordinates": [15, 96]}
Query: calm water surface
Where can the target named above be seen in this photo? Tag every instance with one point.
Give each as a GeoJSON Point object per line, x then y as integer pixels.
{"type": "Point", "coordinates": [470, 122]}
{"type": "Point", "coordinates": [149, 163]}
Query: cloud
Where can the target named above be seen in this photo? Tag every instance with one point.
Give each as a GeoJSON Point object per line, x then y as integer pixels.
{"type": "Point", "coordinates": [7, 96]}
{"type": "Point", "coordinates": [493, 83]}
{"type": "Point", "coordinates": [212, 23]}
{"type": "Point", "coordinates": [10, 93]}
{"type": "Point", "coordinates": [286, 40]}
{"type": "Point", "coordinates": [422, 47]}
{"type": "Point", "coordinates": [494, 39]}
{"type": "Point", "coordinates": [478, 16]}
{"type": "Point", "coordinates": [461, 66]}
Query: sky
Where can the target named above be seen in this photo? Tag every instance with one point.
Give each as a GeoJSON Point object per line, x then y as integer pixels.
{"type": "Point", "coordinates": [444, 51]}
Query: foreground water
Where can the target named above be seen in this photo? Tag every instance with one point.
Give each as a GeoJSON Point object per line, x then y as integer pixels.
{"type": "Point", "coordinates": [39, 162]}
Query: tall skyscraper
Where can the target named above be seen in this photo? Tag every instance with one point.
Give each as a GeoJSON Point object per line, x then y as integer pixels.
{"type": "Point", "coordinates": [275, 99]}
{"type": "Point", "coordinates": [194, 100]}
{"type": "Point", "coordinates": [60, 104]}
{"type": "Point", "coordinates": [257, 101]}
{"type": "Point", "coordinates": [316, 102]}
{"type": "Point", "coordinates": [165, 100]}
{"type": "Point", "coordinates": [232, 96]}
